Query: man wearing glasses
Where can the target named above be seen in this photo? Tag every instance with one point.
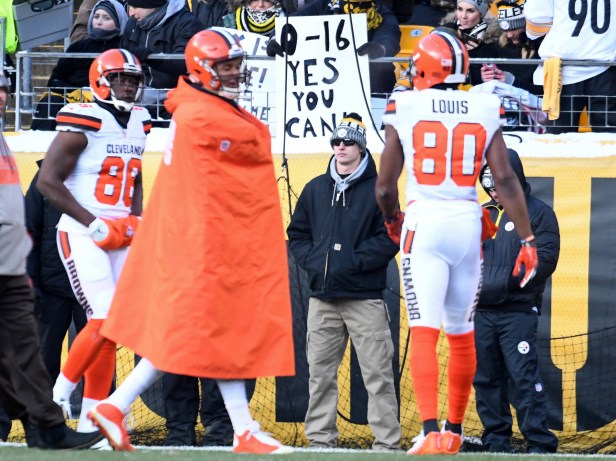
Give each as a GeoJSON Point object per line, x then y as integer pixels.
{"type": "Point", "coordinates": [338, 237]}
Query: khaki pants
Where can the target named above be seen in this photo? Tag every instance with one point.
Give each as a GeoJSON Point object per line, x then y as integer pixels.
{"type": "Point", "coordinates": [330, 324]}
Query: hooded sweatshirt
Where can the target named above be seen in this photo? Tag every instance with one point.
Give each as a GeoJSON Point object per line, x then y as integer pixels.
{"type": "Point", "coordinates": [500, 289]}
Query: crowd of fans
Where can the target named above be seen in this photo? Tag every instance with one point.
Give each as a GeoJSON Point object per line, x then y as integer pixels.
{"type": "Point", "coordinates": [489, 29]}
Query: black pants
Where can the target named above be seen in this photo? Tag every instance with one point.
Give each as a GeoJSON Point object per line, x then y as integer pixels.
{"type": "Point", "coordinates": [54, 315]}
{"type": "Point", "coordinates": [508, 365]}
{"type": "Point", "coordinates": [25, 388]}
{"type": "Point", "coordinates": [601, 110]}
{"type": "Point", "coordinates": [181, 397]}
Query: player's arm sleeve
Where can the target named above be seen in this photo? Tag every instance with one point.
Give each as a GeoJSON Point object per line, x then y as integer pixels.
{"type": "Point", "coordinates": [539, 16]}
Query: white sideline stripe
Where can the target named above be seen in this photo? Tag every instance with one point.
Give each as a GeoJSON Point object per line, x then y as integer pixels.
{"type": "Point", "coordinates": [331, 450]}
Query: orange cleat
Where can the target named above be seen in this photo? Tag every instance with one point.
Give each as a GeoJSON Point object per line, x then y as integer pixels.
{"type": "Point", "coordinates": [254, 441]}
{"type": "Point", "coordinates": [426, 444]}
{"type": "Point", "coordinates": [111, 422]}
{"type": "Point", "coordinates": [450, 442]}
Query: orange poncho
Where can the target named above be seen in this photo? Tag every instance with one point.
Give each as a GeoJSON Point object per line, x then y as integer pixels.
{"type": "Point", "coordinates": [205, 289]}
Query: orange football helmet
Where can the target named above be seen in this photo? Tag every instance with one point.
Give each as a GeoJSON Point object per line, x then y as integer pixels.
{"type": "Point", "coordinates": [439, 57]}
{"type": "Point", "coordinates": [110, 65]}
{"type": "Point", "coordinates": [208, 48]}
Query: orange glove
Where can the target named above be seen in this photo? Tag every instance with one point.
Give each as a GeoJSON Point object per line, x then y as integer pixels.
{"type": "Point", "coordinates": [488, 228]}
{"type": "Point", "coordinates": [394, 226]}
{"type": "Point", "coordinates": [118, 233]}
{"type": "Point", "coordinates": [528, 258]}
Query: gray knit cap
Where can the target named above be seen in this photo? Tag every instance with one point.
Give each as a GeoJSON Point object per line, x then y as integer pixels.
{"type": "Point", "coordinates": [352, 129]}
{"type": "Point", "coordinates": [481, 5]}
{"type": "Point", "coordinates": [511, 15]}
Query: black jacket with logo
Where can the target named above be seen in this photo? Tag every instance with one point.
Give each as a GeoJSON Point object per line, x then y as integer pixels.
{"type": "Point", "coordinates": [340, 239]}
{"type": "Point", "coordinates": [500, 289]}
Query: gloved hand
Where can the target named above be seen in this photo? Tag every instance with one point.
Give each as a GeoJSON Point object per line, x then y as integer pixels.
{"type": "Point", "coordinates": [488, 228]}
{"type": "Point", "coordinates": [142, 53]}
{"type": "Point", "coordinates": [394, 226]}
{"type": "Point", "coordinates": [274, 48]}
{"type": "Point", "coordinates": [111, 234]}
{"type": "Point", "coordinates": [528, 258]}
{"type": "Point", "coordinates": [373, 50]}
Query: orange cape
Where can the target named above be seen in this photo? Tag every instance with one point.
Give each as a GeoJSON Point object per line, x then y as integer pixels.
{"type": "Point", "coordinates": [205, 289]}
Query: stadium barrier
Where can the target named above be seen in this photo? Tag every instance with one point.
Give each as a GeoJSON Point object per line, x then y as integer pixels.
{"type": "Point", "coordinates": [576, 174]}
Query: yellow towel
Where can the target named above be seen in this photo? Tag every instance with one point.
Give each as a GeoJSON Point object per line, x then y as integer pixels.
{"type": "Point", "coordinates": [552, 86]}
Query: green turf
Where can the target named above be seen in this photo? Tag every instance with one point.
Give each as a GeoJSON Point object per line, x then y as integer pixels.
{"type": "Point", "coordinates": [12, 453]}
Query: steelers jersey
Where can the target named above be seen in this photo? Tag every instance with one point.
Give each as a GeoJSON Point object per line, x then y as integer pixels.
{"type": "Point", "coordinates": [444, 137]}
{"type": "Point", "coordinates": [583, 31]}
{"type": "Point", "coordinates": [103, 181]}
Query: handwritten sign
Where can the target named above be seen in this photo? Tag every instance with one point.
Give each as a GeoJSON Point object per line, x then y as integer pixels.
{"type": "Point", "coordinates": [325, 78]}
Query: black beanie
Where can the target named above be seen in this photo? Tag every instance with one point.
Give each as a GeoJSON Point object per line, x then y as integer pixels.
{"type": "Point", "coordinates": [146, 3]}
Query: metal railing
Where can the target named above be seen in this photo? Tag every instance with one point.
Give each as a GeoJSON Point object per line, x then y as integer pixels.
{"type": "Point", "coordinates": [520, 116]}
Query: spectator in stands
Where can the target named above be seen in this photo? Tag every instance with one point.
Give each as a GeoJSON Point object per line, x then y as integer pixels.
{"type": "Point", "coordinates": [79, 31]}
{"type": "Point", "coordinates": [338, 224]}
{"type": "Point", "coordinates": [591, 35]}
{"type": "Point", "coordinates": [25, 388]}
{"type": "Point", "coordinates": [430, 12]}
{"type": "Point", "coordinates": [159, 26]}
{"type": "Point", "coordinates": [210, 13]}
{"type": "Point", "coordinates": [403, 9]}
{"type": "Point", "coordinates": [476, 29]}
{"type": "Point", "coordinates": [105, 27]}
{"type": "Point", "coordinates": [256, 16]}
{"type": "Point", "coordinates": [383, 36]}
{"type": "Point", "coordinates": [506, 325]}
{"type": "Point", "coordinates": [55, 303]}
{"type": "Point", "coordinates": [512, 44]}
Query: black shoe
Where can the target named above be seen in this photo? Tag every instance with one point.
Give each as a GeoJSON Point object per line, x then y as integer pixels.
{"type": "Point", "coordinates": [218, 434]}
{"type": "Point", "coordinates": [64, 438]}
{"type": "Point", "coordinates": [33, 440]}
{"type": "Point", "coordinates": [180, 439]}
{"type": "Point", "coordinates": [500, 449]}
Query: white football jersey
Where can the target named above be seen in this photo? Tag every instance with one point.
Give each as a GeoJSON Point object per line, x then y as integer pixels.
{"type": "Point", "coordinates": [444, 137]}
{"type": "Point", "coordinates": [577, 30]}
{"type": "Point", "coordinates": [103, 179]}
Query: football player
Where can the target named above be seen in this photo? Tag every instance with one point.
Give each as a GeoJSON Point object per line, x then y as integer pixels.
{"type": "Point", "coordinates": [224, 312]}
{"type": "Point", "coordinates": [92, 174]}
{"type": "Point", "coordinates": [442, 135]}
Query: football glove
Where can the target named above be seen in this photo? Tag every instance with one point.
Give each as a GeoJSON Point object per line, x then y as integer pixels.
{"type": "Point", "coordinates": [527, 258]}
{"type": "Point", "coordinates": [111, 234]}
{"type": "Point", "coordinates": [488, 228]}
{"type": "Point", "coordinates": [394, 226]}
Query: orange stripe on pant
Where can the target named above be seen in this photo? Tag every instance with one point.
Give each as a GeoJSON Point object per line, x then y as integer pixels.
{"type": "Point", "coordinates": [64, 243]}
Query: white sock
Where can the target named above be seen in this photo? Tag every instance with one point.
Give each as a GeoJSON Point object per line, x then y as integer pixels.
{"type": "Point", "coordinates": [63, 388]}
{"type": "Point", "coordinates": [85, 425]}
{"type": "Point", "coordinates": [234, 394]}
{"type": "Point", "coordinates": [142, 377]}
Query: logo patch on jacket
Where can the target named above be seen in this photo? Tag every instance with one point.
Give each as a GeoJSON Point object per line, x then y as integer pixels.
{"type": "Point", "coordinates": [225, 145]}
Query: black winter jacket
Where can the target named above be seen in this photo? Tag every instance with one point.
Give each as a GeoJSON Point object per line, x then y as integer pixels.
{"type": "Point", "coordinates": [500, 290]}
{"type": "Point", "coordinates": [43, 264]}
{"type": "Point", "coordinates": [341, 242]}
{"type": "Point", "coordinates": [210, 12]}
{"type": "Point", "coordinates": [169, 37]}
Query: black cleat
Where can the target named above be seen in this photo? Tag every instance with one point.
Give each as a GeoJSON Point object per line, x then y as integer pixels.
{"type": "Point", "coordinates": [64, 438]}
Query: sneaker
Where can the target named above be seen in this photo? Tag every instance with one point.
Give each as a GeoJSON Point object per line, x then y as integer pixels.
{"type": "Point", "coordinates": [426, 444]}
{"type": "Point", "coordinates": [254, 441]}
{"type": "Point", "coordinates": [450, 442]}
{"type": "Point", "coordinates": [111, 421]}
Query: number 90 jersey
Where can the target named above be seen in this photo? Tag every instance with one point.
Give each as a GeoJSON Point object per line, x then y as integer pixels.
{"type": "Point", "coordinates": [444, 137]}
{"type": "Point", "coordinates": [103, 180]}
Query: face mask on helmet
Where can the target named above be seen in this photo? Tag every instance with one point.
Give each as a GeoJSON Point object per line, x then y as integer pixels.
{"type": "Point", "coordinates": [116, 78]}
{"type": "Point", "coordinates": [216, 61]}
